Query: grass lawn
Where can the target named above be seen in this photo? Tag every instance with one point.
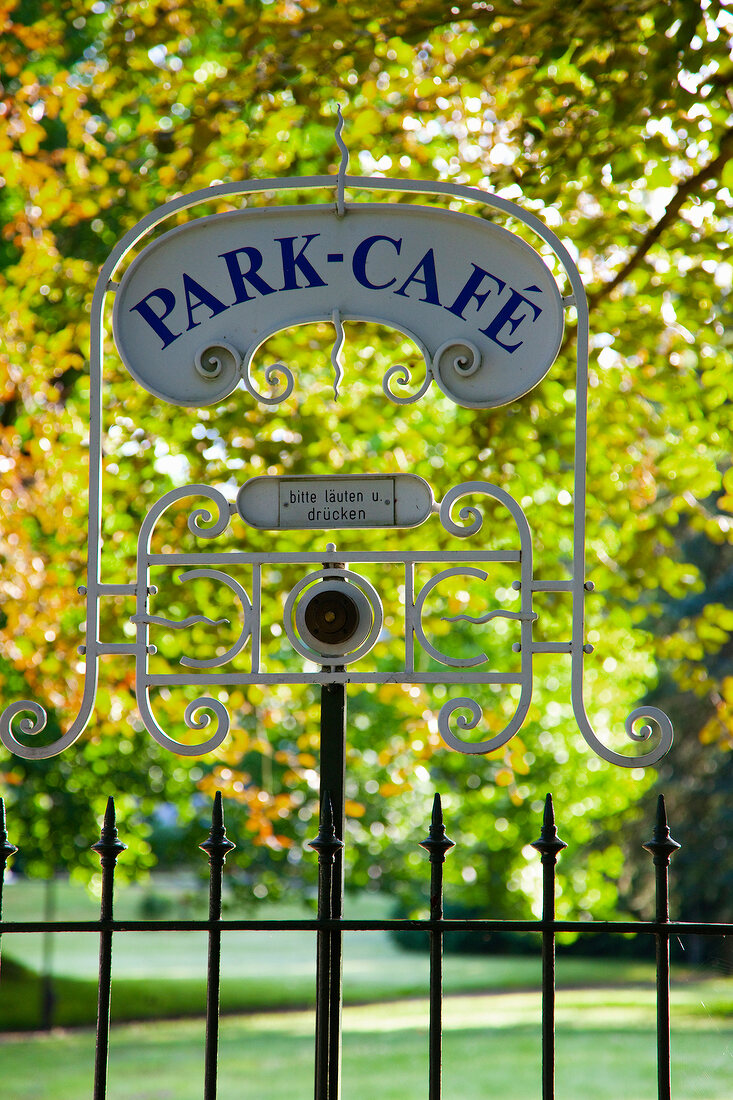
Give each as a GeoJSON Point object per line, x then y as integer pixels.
{"type": "Point", "coordinates": [163, 975]}
{"type": "Point", "coordinates": [605, 1050]}
{"type": "Point", "coordinates": [605, 1018]}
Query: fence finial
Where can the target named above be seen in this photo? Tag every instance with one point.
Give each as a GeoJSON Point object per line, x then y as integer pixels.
{"type": "Point", "coordinates": [549, 843]}
{"type": "Point", "coordinates": [327, 844]}
{"type": "Point", "coordinates": [109, 845]}
{"type": "Point", "coordinates": [217, 845]}
{"type": "Point", "coordinates": [662, 845]}
{"type": "Point", "coordinates": [436, 843]}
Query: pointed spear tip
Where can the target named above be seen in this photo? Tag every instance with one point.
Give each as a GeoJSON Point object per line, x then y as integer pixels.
{"type": "Point", "coordinates": [661, 810]}
{"type": "Point", "coordinates": [549, 843]}
{"type": "Point", "coordinates": [217, 813]}
{"type": "Point", "coordinates": [327, 811]}
{"type": "Point", "coordinates": [109, 842]}
{"type": "Point", "coordinates": [662, 845]}
{"type": "Point", "coordinates": [548, 815]}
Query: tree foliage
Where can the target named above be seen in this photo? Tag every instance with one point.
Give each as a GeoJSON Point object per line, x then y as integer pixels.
{"type": "Point", "coordinates": [613, 124]}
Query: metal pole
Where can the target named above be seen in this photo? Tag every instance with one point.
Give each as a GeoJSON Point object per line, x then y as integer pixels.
{"type": "Point", "coordinates": [549, 845]}
{"type": "Point", "coordinates": [437, 844]}
{"type": "Point", "coordinates": [333, 773]}
{"type": "Point", "coordinates": [330, 945]}
{"type": "Point", "coordinates": [662, 847]}
{"type": "Point", "coordinates": [217, 846]}
{"type": "Point", "coordinates": [108, 847]}
{"type": "Point", "coordinates": [6, 851]}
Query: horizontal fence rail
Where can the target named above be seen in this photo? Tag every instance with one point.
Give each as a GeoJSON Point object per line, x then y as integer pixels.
{"type": "Point", "coordinates": [328, 928]}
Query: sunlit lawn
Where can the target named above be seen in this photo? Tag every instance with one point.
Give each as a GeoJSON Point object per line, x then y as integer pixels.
{"type": "Point", "coordinates": [158, 975]}
{"type": "Point", "coordinates": [605, 1050]}
{"type": "Point", "coordinates": [605, 1030]}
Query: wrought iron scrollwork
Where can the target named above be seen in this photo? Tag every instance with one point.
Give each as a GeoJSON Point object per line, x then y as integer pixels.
{"type": "Point", "coordinates": [36, 721]}
{"type": "Point", "coordinates": [401, 376]}
{"type": "Point", "coordinates": [239, 592]}
{"type": "Point", "coordinates": [454, 363]}
{"type": "Point", "coordinates": [275, 375]}
{"type": "Point", "coordinates": [444, 658]}
{"type": "Point", "coordinates": [215, 360]}
{"type": "Point", "coordinates": [194, 719]}
{"type": "Point", "coordinates": [647, 714]}
{"type": "Point", "coordinates": [472, 513]}
{"type": "Point", "coordinates": [472, 748]}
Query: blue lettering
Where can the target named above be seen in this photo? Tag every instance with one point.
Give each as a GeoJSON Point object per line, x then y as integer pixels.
{"type": "Point", "coordinates": [155, 320]}
{"type": "Point", "coordinates": [361, 255]}
{"type": "Point", "coordinates": [429, 280]}
{"type": "Point", "coordinates": [203, 297]}
{"type": "Point", "coordinates": [291, 262]}
{"type": "Point", "coordinates": [471, 290]}
{"type": "Point", "coordinates": [507, 316]}
{"type": "Point", "coordinates": [239, 278]}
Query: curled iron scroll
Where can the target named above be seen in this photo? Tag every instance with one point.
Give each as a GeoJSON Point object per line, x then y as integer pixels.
{"type": "Point", "coordinates": [275, 375]}
{"type": "Point", "coordinates": [34, 722]}
{"type": "Point", "coordinates": [401, 375]}
{"type": "Point", "coordinates": [194, 719]}
{"type": "Point", "coordinates": [444, 658]}
{"type": "Point", "coordinates": [36, 719]}
{"type": "Point", "coordinates": [239, 592]}
{"type": "Point", "coordinates": [647, 714]}
{"type": "Point", "coordinates": [477, 748]}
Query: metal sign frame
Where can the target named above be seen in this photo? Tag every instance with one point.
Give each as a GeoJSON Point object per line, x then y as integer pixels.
{"type": "Point", "coordinates": [29, 717]}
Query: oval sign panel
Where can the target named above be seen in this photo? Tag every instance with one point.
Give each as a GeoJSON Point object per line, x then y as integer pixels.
{"type": "Point", "coordinates": [193, 308]}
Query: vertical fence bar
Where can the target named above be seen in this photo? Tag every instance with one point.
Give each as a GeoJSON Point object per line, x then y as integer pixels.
{"type": "Point", "coordinates": [333, 747]}
{"type": "Point", "coordinates": [437, 844]}
{"type": "Point", "coordinates": [549, 846]}
{"type": "Point", "coordinates": [6, 851]}
{"type": "Point", "coordinates": [328, 965]}
{"type": "Point", "coordinates": [333, 742]}
{"type": "Point", "coordinates": [662, 847]}
{"type": "Point", "coordinates": [217, 847]}
{"type": "Point", "coordinates": [108, 848]}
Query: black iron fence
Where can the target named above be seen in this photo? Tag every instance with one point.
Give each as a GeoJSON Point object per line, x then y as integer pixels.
{"type": "Point", "coordinates": [329, 926]}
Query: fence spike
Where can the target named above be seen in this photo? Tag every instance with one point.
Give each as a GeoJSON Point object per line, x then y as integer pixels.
{"type": "Point", "coordinates": [662, 845]}
{"type": "Point", "coordinates": [549, 843]}
{"type": "Point", "coordinates": [6, 848]}
{"type": "Point", "coordinates": [327, 844]}
{"type": "Point", "coordinates": [217, 845]}
{"type": "Point", "coordinates": [436, 843]}
{"type": "Point", "coordinates": [109, 845]}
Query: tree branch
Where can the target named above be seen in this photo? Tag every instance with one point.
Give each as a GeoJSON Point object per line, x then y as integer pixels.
{"type": "Point", "coordinates": [680, 197]}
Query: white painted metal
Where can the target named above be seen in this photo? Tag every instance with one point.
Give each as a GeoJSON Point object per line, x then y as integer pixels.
{"type": "Point", "coordinates": [461, 364]}
{"type": "Point", "coordinates": [361, 592]}
{"type": "Point", "coordinates": [335, 503]}
{"type": "Point", "coordinates": [194, 307]}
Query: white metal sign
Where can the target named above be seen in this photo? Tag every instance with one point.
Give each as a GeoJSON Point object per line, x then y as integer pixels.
{"type": "Point", "coordinates": [481, 305]}
{"type": "Point", "coordinates": [190, 313]}
{"type": "Point", "coordinates": [335, 503]}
